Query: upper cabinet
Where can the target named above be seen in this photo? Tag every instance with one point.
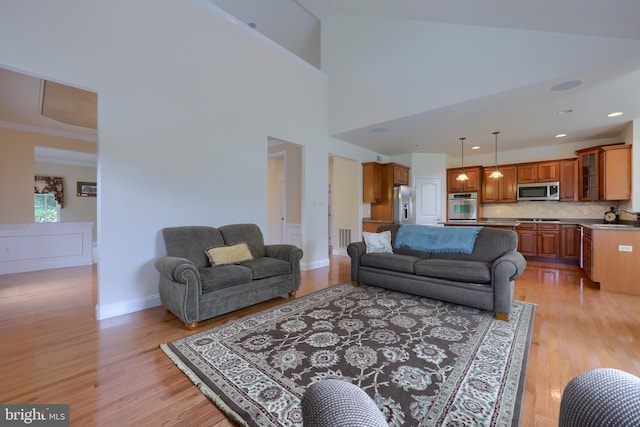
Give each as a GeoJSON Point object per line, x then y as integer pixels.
{"type": "Point", "coordinates": [500, 190]}
{"type": "Point", "coordinates": [371, 182]}
{"type": "Point", "coordinates": [568, 180]}
{"type": "Point", "coordinates": [538, 172]}
{"type": "Point", "coordinates": [474, 183]}
{"type": "Point", "coordinates": [614, 169]}
{"type": "Point", "coordinates": [604, 173]}
{"type": "Point", "coordinates": [587, 174]}
{"type": "Point", "coordinates": [400, 173]}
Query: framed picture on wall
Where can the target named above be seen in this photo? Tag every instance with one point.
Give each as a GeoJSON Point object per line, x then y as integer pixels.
{"type": "Point", "coordinates": [86, 189]}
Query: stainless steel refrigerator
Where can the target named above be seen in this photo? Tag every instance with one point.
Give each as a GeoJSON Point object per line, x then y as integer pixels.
{"type": "Point", "coordinates": [404, 205]}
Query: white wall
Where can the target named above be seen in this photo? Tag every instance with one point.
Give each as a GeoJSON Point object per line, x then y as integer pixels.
{"type": "Point", "coordinates": [187, 100]}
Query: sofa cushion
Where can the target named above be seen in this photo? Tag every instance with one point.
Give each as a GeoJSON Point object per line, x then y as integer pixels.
{"type": "Point", "coordinates": [464, 271]}
{"type": "Point", "coordinates": [223, 276]}
{"type": "Point", "coordinates": [190, 242]}
{"type": "Point", "coordinates": [378, 242]}
{"type": "Point", "coordinates": [232, 254]}
{"type": "Point", "coordinates": [267, 267]}
{"type": "Point", "coordinates": [249, 233]}
{"type": "Point", "coordinates": [393, 262]}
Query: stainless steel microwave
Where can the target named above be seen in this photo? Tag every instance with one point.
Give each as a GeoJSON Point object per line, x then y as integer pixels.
{"type": "Point", "coordinates": [539, 191]}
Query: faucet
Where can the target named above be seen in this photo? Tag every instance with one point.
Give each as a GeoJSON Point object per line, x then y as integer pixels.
{"type": "Point", "coordinates": [636, 214]}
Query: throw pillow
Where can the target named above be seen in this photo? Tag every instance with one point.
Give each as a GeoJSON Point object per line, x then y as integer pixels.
{"type": "Point", "coordinates": [378, 242]}
{"type": "Point", "coordinates": [233, 254]}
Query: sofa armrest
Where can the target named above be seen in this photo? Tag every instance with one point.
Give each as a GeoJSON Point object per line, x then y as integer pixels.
{"type": "Point", "coordinates": [174, 268]}
{"type": "Point", "coordinates": [511, 263]}
{"type": "Point", "coordinates": [289, 253]}
{"type": "Point", "coordinates": [355, 250]}
{"type": "Point", "coordinates": [504, 271]}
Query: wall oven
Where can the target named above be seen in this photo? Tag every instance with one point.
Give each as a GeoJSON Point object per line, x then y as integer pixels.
{"type": "Point", "coordinates": [463, 206]}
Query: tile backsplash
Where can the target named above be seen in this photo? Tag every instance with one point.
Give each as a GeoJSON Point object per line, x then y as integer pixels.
{"type": "Point", "coordinates": [548, 209]}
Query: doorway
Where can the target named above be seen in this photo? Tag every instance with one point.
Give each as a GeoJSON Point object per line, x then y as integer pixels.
{"type": "Point", "coordinates": [284, 192]}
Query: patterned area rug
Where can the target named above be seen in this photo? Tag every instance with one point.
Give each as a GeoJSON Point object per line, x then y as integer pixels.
{"type": "Point", "coordinates": [424, 362]}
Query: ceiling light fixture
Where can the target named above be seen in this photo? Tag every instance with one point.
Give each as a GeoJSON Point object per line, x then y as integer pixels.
{"type": "Point", "coordinates": [616, 114]}
{"type": "Point", "coordinates": [563, 112]}
{"type": "Point", "coordinates": [475, 147]}
{"type": "Point", "coordinates": [561, 135]}
{"type": "Point", "coordinates": [496, 173]}
{"type": "Point", "coordinates": [463, 176]}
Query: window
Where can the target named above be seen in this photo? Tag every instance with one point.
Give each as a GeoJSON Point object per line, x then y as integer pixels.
{"type": "Point", "coordinates": [46, 208]}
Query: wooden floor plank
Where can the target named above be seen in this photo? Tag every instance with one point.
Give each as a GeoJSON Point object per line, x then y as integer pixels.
{"type": "Point", "coordinates": [112, 372]}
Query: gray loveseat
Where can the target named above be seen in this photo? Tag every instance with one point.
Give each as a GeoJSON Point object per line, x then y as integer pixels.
{"type": "Point", "coordinates": [483, 279]}
{"type": "Point", "coordinates": [194, 290]}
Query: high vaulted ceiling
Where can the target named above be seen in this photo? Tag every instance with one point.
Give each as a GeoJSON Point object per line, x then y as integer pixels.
{"type": "Point", "coordinates": [528, 115]}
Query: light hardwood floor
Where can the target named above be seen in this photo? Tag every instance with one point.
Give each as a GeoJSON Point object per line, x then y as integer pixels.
{"type": "Point", "coordinates": [112, 372]}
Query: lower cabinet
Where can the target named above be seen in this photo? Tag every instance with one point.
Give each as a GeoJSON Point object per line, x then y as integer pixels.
{"type": "Point", "coordinates": [570, 242]}
{"type": "Point", "coordinates": [542, 240]}
{"type": "Point", "coordinates": [587, 254]}
{"type": "Point", "coordinates": [372, 227]}
{"type": "Point", "coordinates": [548, 240]}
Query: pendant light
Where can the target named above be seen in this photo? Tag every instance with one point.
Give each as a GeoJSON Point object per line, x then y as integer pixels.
{"type": "Point", "coordinates": [496, 173]}
{"type": "Point", "coordinates": [463, 176]}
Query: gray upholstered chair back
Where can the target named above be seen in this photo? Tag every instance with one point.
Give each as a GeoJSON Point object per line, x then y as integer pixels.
{"type": "Point", "coordinates": [335, 403]}
{"type": "Point", "coordinates": [191, 242]}
{"type": "Point", "coordinates": [248, 233]}
{"type": "Point", "coordinates": [601, 397]}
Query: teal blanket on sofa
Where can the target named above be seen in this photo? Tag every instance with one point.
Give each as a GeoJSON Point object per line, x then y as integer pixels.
{"type": "Point", "coordinates": [437, 239]}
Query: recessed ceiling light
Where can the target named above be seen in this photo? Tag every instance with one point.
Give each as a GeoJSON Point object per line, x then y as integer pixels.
{"type": "Point", "coordinates": [379, 130]}
{"type": "Point", "coordinates": [566, 85]}
{"type": "Point", "coordinates": [616, 114]}
{"type": "Point", "coordinates": [561, 135]}
{"type": "Point", "coordinates": [563, 112]}
{"type": "Point", "coordinates": [475, 147]}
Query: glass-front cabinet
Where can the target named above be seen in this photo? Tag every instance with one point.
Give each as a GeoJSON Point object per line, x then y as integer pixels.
{"type": "Point", "coordinates": [588, 178]}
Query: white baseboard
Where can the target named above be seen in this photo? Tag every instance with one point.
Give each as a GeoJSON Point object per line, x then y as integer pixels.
{"type": "Point", "coordinates": [105, 311]}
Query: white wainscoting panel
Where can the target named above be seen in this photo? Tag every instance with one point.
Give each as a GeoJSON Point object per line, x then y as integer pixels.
{"type": "Point", "coordinates": [41, 246]}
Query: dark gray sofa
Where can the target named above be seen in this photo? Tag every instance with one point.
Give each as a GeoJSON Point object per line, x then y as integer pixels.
{"type": "Point", "coordinates": [194, 290]}
{"type": "Point", "coordinates": [483, 279]}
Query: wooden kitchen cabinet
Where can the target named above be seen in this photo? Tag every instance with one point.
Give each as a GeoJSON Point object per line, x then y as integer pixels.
{"type": "Point", "coordinates": [474, 183]}
{"type": "Point", "coordinates": [400, 174]}
{"type": "Point", "coordinates": [390, 175]}
{"type": "Point", "coordinates": [568, 180]}
{"type": "Point", "coordinates": [539, 240]}
{"type": "Point", "coordinates": [371, 182]}
{"type": "Point", "coordinates": [614, 169]}
{"type": "Point", "coordinates": [527, 239]}
{"type": "Point", "coordinates": [587, 252]}
{"type": "Point", "coordinates": [499, 190]}
{"type": "Point", "coordinates": [538, 172]}
{"type": "Point", "coordinates": [588, 174]}
{"type": "Point", "coordinates": [604, 172]}
{"type": "Point", "coordinates": [372, 227]}
{"type": "Point", "coordinates": [570, 242]}
{"type": "Point", "coordinates": [548, 237]}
